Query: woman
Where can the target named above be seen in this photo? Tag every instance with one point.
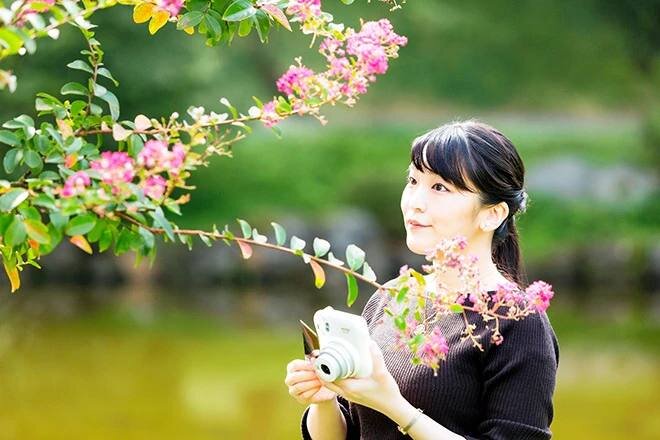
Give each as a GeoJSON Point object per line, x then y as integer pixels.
{"type": "Point", "coordinates": [466, 178]}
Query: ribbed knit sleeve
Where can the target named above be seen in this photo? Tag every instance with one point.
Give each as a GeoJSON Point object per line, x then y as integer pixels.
{"type": "Point", "coordinates": [519, 381]}
{"type": "Point", "coordinates": [352, 425]}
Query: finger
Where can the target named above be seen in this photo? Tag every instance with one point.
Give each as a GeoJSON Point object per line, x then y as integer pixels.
{"type": "Point", "coordinates": [334, 388]}
{"type": "Point", "coordinates": [297, 365]}
{"type": "Point", "coordinates": [299, 376]}
{"type": "Point", "coordinates": [301, 387]}
{"type": "Point", "coordinates": [307, 395]}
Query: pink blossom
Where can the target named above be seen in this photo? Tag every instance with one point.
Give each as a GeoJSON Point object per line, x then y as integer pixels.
{"type": "Point", "coordinates": [114, 167]}
{"type": "Point", "coordinates": [269, 115]}
{"type": "Point", "coordinates": [154, 186]}
{"type": "Point", "coordinates": [171, 6]}
{"type": "Point", "coordinates": [155, 154]}
{"type": "Point", "coordinates": [434, 349]}
{"type": "Point", "coordinates": [539, 293]}
{"type": "Point", "coordinates": [304, 9]}
{"type": "Point", "coordinates": [75, 184]}
{"type": "Point", "coordinates": [294, 80]}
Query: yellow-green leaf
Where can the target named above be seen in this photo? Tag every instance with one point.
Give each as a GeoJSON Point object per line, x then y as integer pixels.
{"type": "Point", "coordinates": [143, 12]}
{"type": "Point", "coordinates": [14, 279]}
{"type": "Point", "coordinates": [37, 231]}
{"type": "Point", "coordinates": [319, 274]}
{"type": "Point", "coordinates": [158, 21]}
{"type": "Point", "coordinates": [82, 243]}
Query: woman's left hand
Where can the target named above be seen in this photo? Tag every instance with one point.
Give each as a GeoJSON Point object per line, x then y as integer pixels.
{"type": "Point", "coordinates": [374, 391]}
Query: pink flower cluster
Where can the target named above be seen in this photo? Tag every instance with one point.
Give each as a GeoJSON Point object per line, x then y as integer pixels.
{"type": "Point", "coordinates": [304, 10]}
{"type": "Point", "coordinates": [154, 186]}
{"type": "Point", "coordinates": [295, 80]}
{"type": "Point", "coordinates": [156, 155]}
{"type": "Point", "coordinates": [114, 167]}
{"type": "Point", "coordinates": [539, 294]}
{"type": "Point", "coordinates": [171, 6]}
{"type": "Point", "coordinates": [433, 350]}
{"type": "Point", "coordinates": [75, 184]}
{"type": "Point", "coordinates": [269, 115]}
{"type": "Point", "coordinates": [352, 64]}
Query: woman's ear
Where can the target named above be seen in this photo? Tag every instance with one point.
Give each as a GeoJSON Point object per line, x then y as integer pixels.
{"type": "Point", "coordinates": [493, 216]}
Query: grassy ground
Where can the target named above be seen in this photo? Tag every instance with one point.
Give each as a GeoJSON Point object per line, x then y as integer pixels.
{"type": "Point", "coordinates": [108, 376]}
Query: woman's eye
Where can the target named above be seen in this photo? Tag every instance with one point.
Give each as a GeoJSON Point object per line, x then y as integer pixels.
{"type": "Point", "coordinates": [440, 187]}
{"type": "Point", "coordinates": [411, 179]}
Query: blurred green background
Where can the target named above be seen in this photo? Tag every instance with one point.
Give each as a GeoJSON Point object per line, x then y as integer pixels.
{"type": "Point", "coordinates": [196, 346]}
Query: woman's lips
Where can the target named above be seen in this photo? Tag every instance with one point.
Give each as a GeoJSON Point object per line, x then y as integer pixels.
{"type": "Point", "coordinates": [417, 225]}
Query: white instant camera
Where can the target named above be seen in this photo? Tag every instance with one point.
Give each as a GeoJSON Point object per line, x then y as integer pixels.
{"type": "Point", "coordinates": [343, 345]}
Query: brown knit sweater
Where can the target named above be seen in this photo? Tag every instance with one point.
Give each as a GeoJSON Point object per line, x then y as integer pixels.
{"type": "Point", "coordinates": [502, 393]}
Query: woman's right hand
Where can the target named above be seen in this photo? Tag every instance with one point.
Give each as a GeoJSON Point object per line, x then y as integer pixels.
{"type": "Point", "coordinates": [304, 385]}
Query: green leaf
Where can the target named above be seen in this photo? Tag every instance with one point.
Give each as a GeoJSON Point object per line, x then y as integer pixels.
{"type": "Point", "coordinates": [148, 238]}
{"type": "Point", "coordinates": [347, 2]}
{"type": "Point", "coordinates": [33, 159]}
{"type": "Point", "coordinates": [74, 88]}
{"type": "Point", "coordinates": [81, 224]}
{"type": "Point", "coordinates": [239, 10]}
{"type": "Point", "coordinates": [12, 159]}
{"type": "Point", "coordinates": [354, 256]}
{"type": "Point", "coordinates": [15, 233]}
{"type": "Point", "coordinates": [244, 28]}
{"type": "Point", "coordinates": [402, 294]}
{"type": "Point", "coordinates": [245, 227]}
{"type": "Point", "coordinates": [9, 138]}
{"type": "Point", "coordinates": [192, 18]}
{"type": "Point", "coordinates": [12, 199]}
{"type": "Point", "coordinates": [280, 233]}
{"type": "Point", "coordinates": [80, 65]}
{"type": "Point", "coordinates": [456, 308]}
{"type": "Point", "coordinates": [123, 243]}
{"type": "Point", "coordinates": [400, 322]}
{"type": "Point", "coordinates": [352, 289]}
{"type": "Point", "coordinates": [368, 272]}
{"type": "Point", "coordinates": [321, 247]}
{"type": "Point", "coordinates": [213, 26]}
{"type": "Point", "coordinates": [58, 220]}
{"type": "Point", "coordinates": [162, 222]}
{"type": "Point", "coordinates": [113, 103]}
{"type": "Point", "coordinates": [44, 200]}
{"type": "Point", "coordinates": [106, 239]}
{"type": "Point", "coordinates": [106, 73]}
{"type": "Point", "coordinates": [37, 231]}
{"type": "Point", "coordinates": [262, 23]}
{"type": "Point", "coordinates": [297, 244]}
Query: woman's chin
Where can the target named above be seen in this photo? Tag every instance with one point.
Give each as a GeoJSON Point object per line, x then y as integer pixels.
{"type": "Point", "coordinates": [419, 247]}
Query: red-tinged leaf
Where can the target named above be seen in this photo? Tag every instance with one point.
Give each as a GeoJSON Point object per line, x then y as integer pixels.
{"type": "Point", "coordinates": [246, 249]}
{"type": "Point", "coordinates": [278, 15]}
{"type": "Point", "coordinates": [319, 274]}
{"type": "Point", "coordinates": [82, 243]}
{"type": "Point", "coordinates": [14, 278]}
{"type": "Point", "coordinates": [70, 160]}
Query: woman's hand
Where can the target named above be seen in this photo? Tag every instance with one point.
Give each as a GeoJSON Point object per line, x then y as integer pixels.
{"type": "Point", "coordinates": [374, 391]}
{"type": "Point", "coordinates": [304, 385]}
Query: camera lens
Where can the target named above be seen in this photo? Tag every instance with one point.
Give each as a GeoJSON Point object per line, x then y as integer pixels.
{"type": "Point", "coordinates": [325, 369]}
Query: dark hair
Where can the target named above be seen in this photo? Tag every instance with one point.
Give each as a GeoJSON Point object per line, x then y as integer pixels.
{"type": "Point", "coordinates": [478, 158]}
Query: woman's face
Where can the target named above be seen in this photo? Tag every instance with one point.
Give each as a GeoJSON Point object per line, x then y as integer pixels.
{"type": "Point", "coordinates": [442, 209]}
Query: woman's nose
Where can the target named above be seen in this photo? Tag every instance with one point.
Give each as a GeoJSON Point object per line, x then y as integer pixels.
{"type": "Point", "coordinates": [418, 199]}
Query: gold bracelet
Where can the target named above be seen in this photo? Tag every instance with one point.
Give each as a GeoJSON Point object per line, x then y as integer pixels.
{"type": "Point", "coordinates": [404, 431]}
